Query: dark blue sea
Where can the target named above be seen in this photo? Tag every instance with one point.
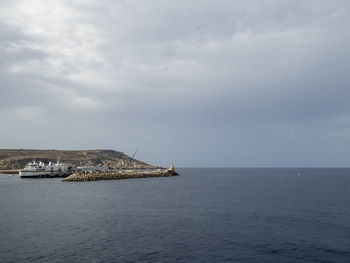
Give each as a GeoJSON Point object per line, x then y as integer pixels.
{"type": "Point", "coordinates": [203, 215]}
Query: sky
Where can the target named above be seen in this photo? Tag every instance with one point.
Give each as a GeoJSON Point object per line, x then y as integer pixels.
{"type": "Point", "coordinates": [230, 83]}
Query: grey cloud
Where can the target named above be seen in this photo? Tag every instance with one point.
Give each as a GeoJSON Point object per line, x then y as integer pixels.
{"type": "Point", "coordinates": [199, 83]}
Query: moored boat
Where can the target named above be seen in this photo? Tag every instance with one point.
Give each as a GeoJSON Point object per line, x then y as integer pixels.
{"type": "Point", "coordinates": [37, 170]}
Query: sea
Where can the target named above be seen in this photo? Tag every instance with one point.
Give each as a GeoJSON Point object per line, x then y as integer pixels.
{"type": "Point", "coordinates": [203, 215]}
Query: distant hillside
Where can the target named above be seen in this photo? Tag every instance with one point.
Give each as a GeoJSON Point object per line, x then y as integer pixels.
{"type": "Point", "coordinates": [18, 158]}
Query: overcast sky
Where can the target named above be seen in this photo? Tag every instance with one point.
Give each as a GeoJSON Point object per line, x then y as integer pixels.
{"type": "Point", "coordinates": [197, 83]}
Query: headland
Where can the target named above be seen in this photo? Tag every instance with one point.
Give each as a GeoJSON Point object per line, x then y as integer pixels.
{"type": "Point", "coordinates": [15, 159]}
{"type": "Point", "coordinates": [77, 165]}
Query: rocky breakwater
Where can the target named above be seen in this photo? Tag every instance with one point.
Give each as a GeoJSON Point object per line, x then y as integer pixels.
{"type": "Point", "coordinates": [8, 171]}
{"type": "Point", "coordinates": [113, 175]}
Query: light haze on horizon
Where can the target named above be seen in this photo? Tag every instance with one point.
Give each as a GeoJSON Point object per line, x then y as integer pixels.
{"type": "Point", "coordinates": [198, 83]}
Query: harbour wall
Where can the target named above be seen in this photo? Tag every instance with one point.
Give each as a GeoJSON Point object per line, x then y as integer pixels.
{"type": "Point", "coordinates": [115, 175]}
{"type": "Point", "coordinates": [8, 171]}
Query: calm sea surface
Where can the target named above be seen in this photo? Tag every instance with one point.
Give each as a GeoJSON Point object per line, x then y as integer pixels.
{"type": "Point", "coordinates": [203, 215]}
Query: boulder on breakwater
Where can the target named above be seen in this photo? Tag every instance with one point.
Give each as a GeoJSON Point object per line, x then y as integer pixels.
{"type": "Point", "coordinates": [112, 175]}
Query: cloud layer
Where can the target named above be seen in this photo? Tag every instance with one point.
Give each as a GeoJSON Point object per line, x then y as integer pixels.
{"type": "Point", "coordinates": [200, 83]}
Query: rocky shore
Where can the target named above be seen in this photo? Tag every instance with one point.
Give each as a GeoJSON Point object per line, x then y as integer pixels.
{"type": "Point", "coordinates": [113, 175]}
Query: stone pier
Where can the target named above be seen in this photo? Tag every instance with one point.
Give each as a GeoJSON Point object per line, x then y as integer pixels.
{"type": "Point", "coordinates": [113, 175]}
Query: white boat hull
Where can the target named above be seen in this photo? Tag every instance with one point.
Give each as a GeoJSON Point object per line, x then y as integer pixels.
{"type": "Point", "coordinates": [39, 174]}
